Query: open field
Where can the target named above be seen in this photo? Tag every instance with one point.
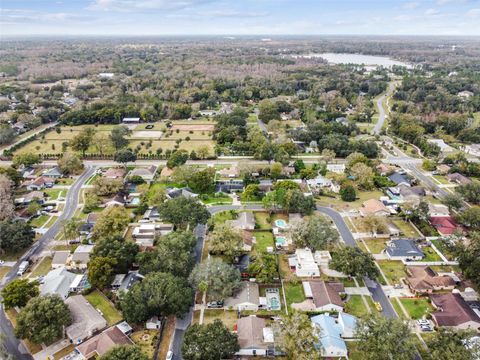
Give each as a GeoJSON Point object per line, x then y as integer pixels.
{"type": "Point", "coordinates": [229, 318]}
{"type": "Point", "coordinates": [107, 309]}
{"type": "Point", "coordinates": [339, 204]}
{"type": "Point", "coordinates": [193, 127]}
{"type": "Point", "coordinates": [262, 220]}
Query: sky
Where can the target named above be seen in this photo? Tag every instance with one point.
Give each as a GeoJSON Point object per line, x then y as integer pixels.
{"type": "Point", "coordinates": [239, 17]}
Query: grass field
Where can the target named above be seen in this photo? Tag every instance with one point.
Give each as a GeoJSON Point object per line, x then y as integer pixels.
{"type": "Point", "coordinates": [101, 303]}
{"type": "Point", "coordinates": [264, 240]}
{"type": "Point", "coordinates": [229, 318]}
{"type": "Point", "coordinates": [430, 254]}
{"type": "Point", "coordinates": [39, 221]}
{"type": "Point", "coordinates": [262, 220]}
{"type": "Point", "coordinates": [54, 193]}
{"type": "Point", "coordinates": [376, 246]}
{"type": "Point", "coordinates": [4, 270]}
{"type": "Point", "coordinates": [406, 228]}
{"type": "Point", "coordinates": [222, 217]}
{"type": "Point", "coordinates": [393, 270]}
{"type": "Point", "coordinates": [43, 267]}
{"type": "Point", "coordinates": [293, 293]}
{"type": "Point", "coordinates": [417, 307]}
{"type": "Point", "coordinates": [355, 306]}
{"type": "Point", "coordinates": [339, 204]}
{"type": "Point", "coordinates": [217, 199]}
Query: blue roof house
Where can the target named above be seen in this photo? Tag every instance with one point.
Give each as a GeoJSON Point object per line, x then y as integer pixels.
{"type": "Point", "coordinates": [331, 333]}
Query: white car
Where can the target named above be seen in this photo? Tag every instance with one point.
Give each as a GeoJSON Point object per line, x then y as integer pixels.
{"type": "Point", "coordinates": [169, 355]}
{"type": "Point", "coordinates": [2, 262]}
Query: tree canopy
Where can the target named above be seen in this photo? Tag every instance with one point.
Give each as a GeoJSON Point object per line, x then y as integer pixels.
{"type": "Point", "coordinates": [354, 262]}
{"type": "Point", "coordinates": [18, 292]}
{"type": "Point", "coordinates": [183, 211]}
{"type": "Point", "coordinates": [315, 233]}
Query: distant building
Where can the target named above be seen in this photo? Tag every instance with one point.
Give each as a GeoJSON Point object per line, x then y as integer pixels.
{"type": "Point", "coordinates": [458, 179]}
{"type": "Point", "coordinates": [445, 225]}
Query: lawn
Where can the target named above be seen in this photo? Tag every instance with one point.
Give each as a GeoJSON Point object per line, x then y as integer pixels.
{"type": "Point", "coordinates": [293, 293]}
{"type": "Point", "coordinates": [264, 240]}
{"type": "Point", "coordinates": [441, 179]}
{"type": "Point", "coordinates": [376, 246]}
{"type": "Point", "coordinates": [353, 352]}
{"type": "Point", "coordinates": [355, 306]}
{"type": "Point", "coordinates": [146, 340]}
{"type": "Point", "coordinates": [339, 204]}
{"type": "Point", "coordinates": [222, 217]}
{"type": "Point", "coordinates": [398, 309]}
{"type": "Point", "coordinates": [43, 267]}
{"type": "Point", "coordinates": [417, 307]}
{"type": "Point", "coordinates": [406, 228]}
{"type": "Point", "coordinates": [430, 254]}
{"type": "Point", "coordinates": [100, 302]}
{"type": "Point", "coordinates": [442, 247]}
{"type": "Point", "coordinates": [53, 193]}
{"type": "Point", "coordinates": [216, 199]}
{"type": "Point", "coordinates": [39, 221]}
{"type": "Point", "coordinates": [393, 270]}
{"type": "Point", "coordinates": [262, 220]}
{"type": "Point", "coordinates": [229, 318]}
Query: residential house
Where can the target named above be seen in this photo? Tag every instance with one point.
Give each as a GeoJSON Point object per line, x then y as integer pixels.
{"type": "Point", "coordinates": [322, 258]}
{"type": "Point", "coordinates": [231, 172]}
{"type": "Point", "coordinates": [336, 168]}
{"type": "Point", "coordinates": [86, 320]}
{"type": "Point", "coordinates": [444, 147]}
{"type": "Point", "coordinates": [131, 120]}
{"type": "Point", "coordinates": [175, 192]}
{"type": "Point", "coordinates": [320, 182]}
{"type": "Point", "coordinates": [458, 179]}
{"type": "Point", "coordinates": [246, 298]}
{"type": "Point", "coordinates": [454, 312]}
{"type": "Point", "coordinates": [265, 185]}
{"type": "Point", "coordinates": [40, 183]}
{"type": "Point", "coordinates": [442, 169]}
{"type": "Point", "coordinates": [54, 173]}
{"type": "Point", "coordinates": [321, 296]}
{"type": "Point", "coordinates": [403, 249]}
{"type": "Point", "coordinates": [424, 280]}
{"type": "Point", "coordinates": [144, 234]}
{"type": "Point", "coordinates": [27, 172]}
{"type": "Point", "coordinates": [303, 263]}
{"type": "Point", "coordinates": [38, 196]}
{"type": "Point", "coordinates": [244, 221]}
{"type": "Point", "coordinates": [384, 169]}
{"type": "Point", "coordinates": [102, 343]}
{"type": "Point", "coordinates": [81, 257]}
{"type": "Point", "coordinates": [58, 281]}
{"type": "Point", "coordinates": [166, 172]}
{"type": "Point", "coordinates": [248, 240]}
{"type": "Point", "coordinates": [400, 179]}
{"type": "Point", "coordinates": [114, 173]}
{"type": "Point", "coordinates": [445, 225]}
{"type": "Point", "coordinates": [229, 185]}
{"type": "Point", "coordinates": [374, 207]}
{"type": "Point", "coordinates": [60, 259]}
{"type": "Point", "coordinates": [146, 173]}
{"type": "Point", "coordinates": [403, 193]}
{"type": "Point", "coordinates": [254, 337]}
{"type": "Point", "coordinates": [472, 149]}
{"type": "Point", "coordinates": [152, 214]}
{"type": "Point", "coordinates": [438, 210]}
{"type": "Point", "coordinates": [332, 332]}
{"type": "Point", "coordinates": [123, 282]}
{"type": "Point", "coordinates": [117, 200]}
{"type": "Point", "coordinates": [93, 217]}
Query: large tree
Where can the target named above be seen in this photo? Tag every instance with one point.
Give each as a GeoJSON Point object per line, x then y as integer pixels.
{"type": "Point", "coordinates": [468, 256]}
{"type": "Point", "coordinates": [7, 207]}
{"type": "Point", "coordinates": [203, 181]}
{"type": "Point", "coordinates": [174, 254]}
{"type": "Point", "coordinates": [375, 224]}
{"type": "Point", "coordinates": [297, 337]}
{"type": "Point", "coordinates": [69, 164]}
{"type": "Point", "coordinates": [18, 292]}
{"type": "Point", "coordinates": [124, 156]}
{"type": "Point", "coordinates": [225, 240]}
{"type": "Point", "coordinates": [82, 141]}
{"type": "Point", "coordinates": [26, 159]}
{"type": "Point", "coordinates": [183, 211]}
{"type": "Point", "coordinates": [451, 344]}
{"type": "Point", "coordinates": [124, 352]}
{"type": "Point", "coordinates": [177, 158]}
{"type": "Point", "coordinates": [470, 218]}
{"type": "Point", "coordinates": [158, 294]}
{"type": "Point", "coordinates": [363, 176]}
{"type": "Point", "coordinates": [470, 192]}
{"type": "Point", "coordinates": [381, 338]}
{"type": "Point", "coordinates": [118, 136]}
{"type": "Point", "coordinates": [209, 342]}
{"type": "Point", "coordinates": [217, 278]}
{"type": "Point", "coordinates": [354, 262]}
{"type": "Point", "coordinates": [43, 319]}
{"type": "Point", "coordinates": [124, 252]}
{"type": "Point", "coordinates": [106, 187]}
{"type": "Point", "coordinates": [102, 143]}
{"type": "Point", "coordinates": [316, 233]}
{"type": "Point", "coordinates": [101, 271]}
{"type": "Point", "coordinates": [113, 221]}
{"type": "Point", "coordinates": [264, 268]}
{"type": "Point", "coordinates": [15, 236]}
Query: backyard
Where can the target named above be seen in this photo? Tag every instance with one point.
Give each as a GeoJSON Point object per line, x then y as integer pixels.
{"type": "Point", "coordinates": [146, 340]}
{"type": "Point", "coordinates": [262, 220]}
{"type": "Point", "coordinates": [293, 292]}
{"type": "Point", "coordinates": [264, 239]}
{"type": "Point", "coordinates": [376, 246]}
{"type": "Point", "coordinates": [106, 308]}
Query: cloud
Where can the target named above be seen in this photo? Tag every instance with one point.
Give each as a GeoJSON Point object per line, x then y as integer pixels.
{"type": "Point", "coordinates": [432, 12]}
{"type": "Point", "coordinates": [444, 2]}
{"type": "Point", "coordinates": [22, 16]}
{"type": "Point", "coordinates": [411, 5]}
{"type": "Point", "coordinates": [231, 13]}
{"type": "Point", "coordinates": [473, 13]}
{"type": "Point", "coordinates": [145, 5]}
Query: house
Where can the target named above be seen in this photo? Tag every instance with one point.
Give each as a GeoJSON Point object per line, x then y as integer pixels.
{"type": "Point", "coordinates": [166, 172]}
{"type": "Point", "coordinates": [231, 172]}
{"type": "Point", "coordinates": [472, 149]}
{"type": "Point", "coordinates": [40, 183]}
{"type": "Point", "coordinates": [92, 218]}
{"type": "Point", "coordinates": [114, 173]}
{"type": "Point", "coordinates": [244, 221]}
{"type": "Point", "coordinates": [454, 312]}
{"type": "Point", "coordinates": [443, 169]}
{"type": "Point", "coordinates": [154, 323]}
{"type": "Point", "coordinates": [102, 343]}
{"type": "Point", "coordinates": [444, 147]}
{"type": "Point", "coordinates": [248, 240]}
{"type": "Point", "coordinates": [229, 185]}
{"type": "Point", "coordinates": [117, 200]}
{"type": "Point", "coordinates": [106, 75]}
{"type": "Point", "coordinates": [207, 113]}
{"type": "Point", "coordinates": [321, 182]}
{"type": "Point", "coordinates": [81, 256]}
{"type": "Point", "coordinates": [246, 298]}
{"type": "Point", "coordinates": [445, 225]}
{"type": "Point", "coordinates": [424, 280]}
{"type": "Point", "coordinates": [303, 263]}
{"type": "Point", "coordinates": [336, 168]}
{"type": "Point", "coordinates": [288, 171]}
{"type": "Point", "coordinates": [85, 228]}
{"type": "Point", "coordinates": [322, 257]}
{"type": "Point", "coordinates": [54, 173]}
{"type": "Point", "coordinates": [458, 179]}
{"type": "Point", "coordinates": [86, 320]}
{"type": "Point", "coordinates": [131, 120]}
{"type": "Point", "coordinates": [60, 259]}
{"type": "Point", "coordinates": [38, 196]}
{"type": "Point", "coordinates": [123, 282]}
{"type": "Point", "coordinates": [146, 173]}
{"type": "Point", "coordinates": [254, 337]}
{"type": "Point", "coordinates": [144, 234]}
{"type": "Point", "coordinates": [152, 214]}
{"type": "Point", "coordinates": [384, 169]}
{"type": "Point", "coordinates": [374, 207]}
{"type": "Point", "coordinates": [265, 185]}
{"type": "Point", "coordinates": [403, 193]}
{"type": "Point", "coordinates": [27, 172]}
{"type": "Point", "coordinates": [403, 249]}
{"type": "Point", "coordinates": [438, 210]}
{"type": "Point", "coordinates": [465, 94]}
{"type": "Point", "coordinates": [175, 192]}
{"type": "Point", "coordinates": [321, 296]}
{"type": "Point", "coordinates": [58, 281]}
{"type": "Point", "coordinates": [332, 332]}
{"type": "Point", "coordinates": [400, 179]}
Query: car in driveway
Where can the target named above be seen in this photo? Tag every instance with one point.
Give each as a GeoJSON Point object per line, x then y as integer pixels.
{"type": "Point", "coordinates": [215, 304]}
{"type": "Point", "coordinates": [148, 127]}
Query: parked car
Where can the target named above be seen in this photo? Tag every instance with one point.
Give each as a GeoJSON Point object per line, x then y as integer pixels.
{"type": "Point", "coordinates": [215, 304]}
{"type": "Point", "coordinates": [426, 328]}
{"type": "Point", "coordinates": [378, 306]}
{"type": "Point", "coordinates": [149, 127]}
{"type": "Point", "coordinates": [73, 242]}
{"type": "Point", "coordinates": [423, 322]}
{"type": "Point", "coordinates": [2, 262]}
{"type": "Point", "coordinates": [169, 355]}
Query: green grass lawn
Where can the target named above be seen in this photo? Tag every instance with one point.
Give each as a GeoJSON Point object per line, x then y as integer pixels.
{"type": "Point", "coordinates": [39, 221]}
{"type": "Point", "coordinates": [4, 270]}
{"type": "Point", "coordinates": [222, 217]}
{"type": "Point", "coordinates": [339, 204]}
{"type": "Point", "coordinates": [393, 270]}
{"type": "Point", "coordinates": [441, 179]}
{"type": "Point", "coordinates": [355, 306]}
{"type": "Point", "coordinates": [53, 193]}
{"type": "Point", "coordinates": [216, 199]}
{"type": "Point", "coordinates": [293, 293]}
{"type": "Point", "coordinates": [146, 340]}
{"type": "Point", "coordinates": [406, 228]}
{"type": "Point", "coordinates": [417, 307]}
{"type": "Point", "coordinates": [430, 254]}
{"type": "Point", "coordinates": [43, 267]}
{"type": "Point", "coordinates": [229, 318]}
{"type": "Point", "coordinates": [442, 247]}
{"type": "Point", "coordinates": [101, 303]}
{"type": "Point", "coordinates": [262, 220]}
{"type": "Point", "coordinates": [52, 221]}
{"type": "Point", "coordinates": [376, 246]}
{"type": "Point", "coordinates": [397, 308]}
{"type": "Point", "coordinates": [264, 240]}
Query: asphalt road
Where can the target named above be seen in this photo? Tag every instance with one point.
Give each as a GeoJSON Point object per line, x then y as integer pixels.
{"type": "Point", "coordinates": [381, 118]}
{"type": "Point", "coordinates": [11, 343]}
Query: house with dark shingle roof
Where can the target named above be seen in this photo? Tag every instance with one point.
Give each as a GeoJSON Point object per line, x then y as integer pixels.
{"type": "Point", "coordinates": [400, 179]}
{"type": "Point", "coordinates": [103, 342]}
{"type": "Point", "coordinates": [424, 280]}
{"type": "Point", "coordinates": [321, 296]}
{"type": "Point", "coordinates": [454, 312]}
{"type": "Point", "coordinates": [404, 249]}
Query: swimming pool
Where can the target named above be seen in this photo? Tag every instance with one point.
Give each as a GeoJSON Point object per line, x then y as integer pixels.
{"type": "Point", "coordinates": [280, 223]}
{"type": "Point", "coordinates": [280, 240]}
{"type": "Point", "coordinates": [273, 299]}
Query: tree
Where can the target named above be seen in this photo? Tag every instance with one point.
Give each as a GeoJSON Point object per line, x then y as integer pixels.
{"type": "Point", "coordinates": [295, 201]}
{"type": "Point", "coordinates": [468, 257]}
{"type": "Point", "coordinates": [297, 337]}
{"type": "Point", "coordinates": [117, 136]}
{"type": "Point", "coordinates": [264, 268]}
{"type": "Point", "coordinates": [355, 158]}
{"type": "Point", "coordinates": [375, 224]}
{"type": "Point", "coordinates": [316, 233]}
{"type": "Point", "coordinates": [158, 197]}
{"type": "Point", "coordinates": [13, 174]}
{"type": "Point", "coordinates": [381, 338]}
{"type": "Point", "coordinates": [327, 155]}
{"type": "Point", "coordinates": [363, 176]}
{"type": "Point", "coordinates": [124, 252]}
{"type": "Point", "coordinates": [101, 271]}
{"type": "Point", "coordinates": [43, 319]}
{"type": "Point", "coordinates": [226, 241]}
{"type": "Point", "coordinates": [71, 228]}
{"type": "Point", "coordinates": [354, 262]}
{"type": "Point", "coordinates": [209, 342]}
{"type": "Point", "coordinates": [174, 254]}
{"type": "Point", "coordinates": [203, 152]}
{"type": "Point", "coordinates": [15, 236]}
{"type": "Point", "coordinates": [203, 181]}
{"type": "Point", "coordinates": [177, 158]}
{"type": "Point", "coordinates": [112, 221]}
{"type": "Point", "coordinates": [268, 111]}
{"type": "Point", "coordinates": [470, 218]}
{"type": "Point", "coordinates": [69, 163]}
{"type": "Point", "coordinates": [18, 292]}
{"type": "Point", "coordinates": [453, 201]}
{"type": "Point", "coordinates": [7, 207]}
{"type": "Point", "coordinates": [183, 211]}
{"type": "Point", "coordinates": [7, 134]}
{"type": "Point", "coordinates": [107, 187]}
{"type": "Point", "coordinates": [251, 192]}
{"type": "Point", "coordinates": [102, 143]}
{"type": "Point", "coordinates": [158, 294]}
{"type": "Point", "coordinates": [26, 159]}
{"type": "Point", "coordinates": [124, 352]}
{"type": "Point", "coordinates": [124, 156]}
{"type": "Point", "coordinates": [470, 192]}
{"type": "Point", "coordinates": [92, 201]}
{"type": "Point", "coordinates": [429, 165]}
{"type": "Point", "coordinates": [276, 170]}
{"type": "Point", "coordinates": [220, 279]}
{"type": "Point", "coordinates": [348, 193]}
{"type": "Point", "coordinates": [450, 344]}
{"type": "Point", "coordinates": [81, 141]}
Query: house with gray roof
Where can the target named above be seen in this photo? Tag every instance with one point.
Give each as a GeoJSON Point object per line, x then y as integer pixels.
{"type": "Point", "coordinates": [86, 319]}
{"type": "Point", "coordinates": [244, 221]}
{"type": "Point", "coordinates": [245, 298]}
{"type": "Point", "coordinates": [58, 281]}
{"type": "Point", "coordinates": [400, 179]}
{"type": "Point", "coordinates": [404, 249]}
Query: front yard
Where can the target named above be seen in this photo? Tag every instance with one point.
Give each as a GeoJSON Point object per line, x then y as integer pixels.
{"type": "Point", "coordinates": [417, 307]}
{"type": "Point", "coordinates": [355, 306]}
{"type": "Point", "coordinates": [39, 221]}
{"type": "Point", "coordinates": [229, 318]}
{"type": "Point", "coordinates": [101, 303]}
{"type": "Point", "coordinates": [393, 270]}
{"type": "Point", "coordinates": [406, 228]}
{"type": "Point", "coordinates": [43, 267]}
{"type": "Point", "coordinates": [430, 254]}
{"type": "Point", "coordinates": [376, 246]}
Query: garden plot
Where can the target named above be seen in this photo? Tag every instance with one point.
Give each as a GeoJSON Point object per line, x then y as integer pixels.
{"type": "Point", "coordinates": [147, 134]}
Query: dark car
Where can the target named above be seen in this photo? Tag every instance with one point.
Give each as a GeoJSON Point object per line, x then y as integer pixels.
{"type": "Point", "coordinates": [215, 304]}
{"type": "Point", "coordinates": [149, 127]}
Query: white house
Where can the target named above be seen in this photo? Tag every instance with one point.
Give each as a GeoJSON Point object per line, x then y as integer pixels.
{"type": "Point", "coordinates": [336, 168]}
{"type": "Point", "coordinates": [303, 263]}
{"type": "Point", "coordinates": [321, 182]}
{"type": "Point", "coordinates": [144, 234]}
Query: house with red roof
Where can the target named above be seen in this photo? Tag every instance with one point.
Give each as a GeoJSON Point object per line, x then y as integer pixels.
{"type": "Point", "coordinates": [445, 225]}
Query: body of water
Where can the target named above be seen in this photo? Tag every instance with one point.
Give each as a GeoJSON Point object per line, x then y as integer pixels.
{"type": "Point", "coordinates": [359, 59]}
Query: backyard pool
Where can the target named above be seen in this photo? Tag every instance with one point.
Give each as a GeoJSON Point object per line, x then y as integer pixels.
{"type": "Point", "coordinates": [273, 299]}
{"type": "Point", "coordinates": [280, 241]}
{"type": "Point", "coordinates": [280, 223]}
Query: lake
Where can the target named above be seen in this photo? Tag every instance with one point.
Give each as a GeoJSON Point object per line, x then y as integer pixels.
{"type": "Point", "coordinates": [360, 59]}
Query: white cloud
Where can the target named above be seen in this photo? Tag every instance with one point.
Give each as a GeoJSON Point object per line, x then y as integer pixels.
{"type": "Point", "coordinates": [473, 13]}
{"type": "Point", "coordinates": [444, 2]}
{"type": "Point", "coordinates": [432, 12]}
{"type": "Point", "coordinates": [144, 5]}
{"type": "Point", "coordinates": [411, 5]}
